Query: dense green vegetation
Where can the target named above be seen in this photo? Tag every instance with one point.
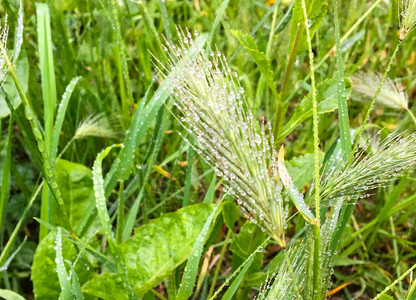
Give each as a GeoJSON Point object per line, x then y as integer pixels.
{"type": "Point", "coordinates": [131, 168]}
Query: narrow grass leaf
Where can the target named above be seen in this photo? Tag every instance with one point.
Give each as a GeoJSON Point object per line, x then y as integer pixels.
{"type": "Point", "coordinates": [344, 127]}
{"type": "Point", "coordinates": [188, 178]}
{"type": "Point", "coordinates": [60, 268]}
{"type": "Point", "coordinates": [237, 281]}
{"type": "Point", "coordinates": [49, 100]}
{"type": "Point", "coordinates": [5, 180]}
{"type": "Point", "coordinates": [192, 266]}
{"type": "Point", "coordinates": [60, 116]}
{"type": "Point", "coordinates": [210, 195]}
{"type": "Point", "coordinates": [10, 295]}
{"type": "Point", "coordinates": [218, 17]}
{"type": "Point", "coordinates": [105, 219]}
{"type": "Point", "coordinates": [159, 134]}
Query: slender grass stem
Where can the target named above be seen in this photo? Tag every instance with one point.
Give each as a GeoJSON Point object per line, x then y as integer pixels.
{"type": "Point", "coordinates": [120, 213]}
{"type": "Point", "coordinates": [218, 266]}
{"type": "Point", "coordinates": [317, 277]}
{"type": "Point", "coordinates": [370, 108]}
{"type": "Point", "coordinates": [411, 115]}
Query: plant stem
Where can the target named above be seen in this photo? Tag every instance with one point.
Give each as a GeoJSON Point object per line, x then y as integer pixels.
{"type": "Point", "coordinates": [370, 109]}
{"type": "Point", "coordinates": [411, 115]}
{"type": "Point", "coordinates": [218, 266]}
{"type": "Point", "coordinates": [120, 213]}
{"type": "Point", "coordinates": [280, 114]}
{"type": "Point", "coordinates": [317, 277]}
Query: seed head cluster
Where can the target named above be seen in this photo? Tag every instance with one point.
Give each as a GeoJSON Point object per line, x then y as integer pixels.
{"type": "Point", "coordinates": [226, 134]}
{"type": "Point", "coordinates": [407, 17]}
{"type": "Point", "coordinates": [392, 93]}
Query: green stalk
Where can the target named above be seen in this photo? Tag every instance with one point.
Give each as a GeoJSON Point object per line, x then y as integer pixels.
{"type": "Point", "coordinates": [262, 81]}
{"type": "Point", "coordinates": [344, 127]}
{"type": "Point", "coordinates": [370, 109]}
{"type": "Point", "coordinates": [317, 277]}
{"type": "Point", "coordinates": [218, 266]}
{"type": "Point", "coordinates": [5, 181]}
{"type": "Point", "coordinates": [411, 115]}
{"type": "Point", "coordinates": [283, 91]}
{"type": "Point", "coordinates": [120, 213]}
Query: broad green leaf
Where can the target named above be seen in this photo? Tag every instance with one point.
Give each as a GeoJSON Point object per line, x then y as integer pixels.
{"type": "Point", "coordinates": [106, 286]}
{"type": "Point", "coordinates": [44, 277]}
{"type": "Point", "coordinates": [158, 247]}
{"type": "Point", "coordinates": [316, 14]}
{"type": "Point", "coordinates": [22, 71]}
{"type": "Point", "coordinates": [75, 183]}
{"type": "Point", "coordinates": [245, 243]}
{"type": "Point", "coordinates": [259, 57]}
{"type": "Point", "coordinates": [327, 102]}
{"type": "Point", "coordinates": [10, 295]}
{"type": "Point", "coordinates": [301, 169]}
{"type": "Point", "coordinates": [229, 213]}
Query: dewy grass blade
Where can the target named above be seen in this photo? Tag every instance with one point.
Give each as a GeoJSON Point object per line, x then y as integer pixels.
{"type": "Point", "coordinates": [60, 116]}
{"type": "Point", "coordinates": [240, 268]}
{"type": "Point", "coordinates": [105, 219]}
{"type": "Point", "coordinates": [317, 277]}
{"type": "Point", "coordinates": [49, 100]}
{"type": "Point", "coordinates": [344, 127]}
{"type": "Point", "coordinates": [6, 250]}
{"type": "Point", "coordinates": [218, 17]}
{"type": "Point", "coordinates": [60, 268]}
{"type": "Point", "coordinates": [158, 138]}
{"type": "Point", "coordinates": [5, 180]}
{"type": "Point", "coordinates": [44, 163]}
{"type": "Point", "coordinates": [192, 266]}
{"type": "Point", "coordinates": [237, 281]}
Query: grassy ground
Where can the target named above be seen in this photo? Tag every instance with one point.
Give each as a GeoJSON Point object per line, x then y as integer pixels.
{"type": "Point", "coordinates": [109, 44]}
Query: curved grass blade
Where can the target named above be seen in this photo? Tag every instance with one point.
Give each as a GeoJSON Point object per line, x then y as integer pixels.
{"type": "Point", "coordinates": [10, 295]}
{"type": "Point", "coordinates": [192, 266]}
{"type": "Point", "coordinates": [18, 36]}
{"type": "Point", "coordinates": [105, 219]}
{"type": "Point", "coordinates": [236, 283]}
{"type": "Point", "coordinates": [159, 133]}
{"type": "Point", "coordinates": [344, 127]}
{"type": "Point", "coordinates": [219, 13]}
{"type": "Point", "coordinates": [60, 267]}
{"type": "Point", "coordinates": [237, 271]}
{"type": "Point", "coordinates": [61, 115]}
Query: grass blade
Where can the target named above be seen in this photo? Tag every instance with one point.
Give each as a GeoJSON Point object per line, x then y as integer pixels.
{"type": "Point", "coordinates": [192, 266]}
{"type": "Point", "coordinates": [158, 138]}
{"type": "Point", "coordinates": [236, 283]}
{"type": "Point", "coordinates": [218, 16]}
{"type": "Point", "coordinates": [60, 267]}
{"type": "Point", "coordinates": [49, 100]}
{"type": "Point", "coordinates": [105, 219]}
{"type": "Point", "coordinates": [61, 115]}
{"type": "Point", "coordinates": [5, 181]}
{"type": "Point", "coordinates": [344, 127]}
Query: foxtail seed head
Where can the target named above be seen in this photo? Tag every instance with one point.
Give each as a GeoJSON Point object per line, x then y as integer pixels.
{"type": "Point", "coordinates": [228, 137]}
{"type": "Point", "coordinates": [407, 17]}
